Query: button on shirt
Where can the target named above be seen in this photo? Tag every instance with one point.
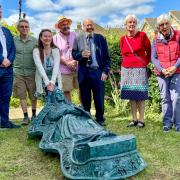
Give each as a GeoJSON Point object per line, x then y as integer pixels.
{"type": "Point", "coordinates": [3, 43]}
{"type": "Point", "coordinates": [24, 63]}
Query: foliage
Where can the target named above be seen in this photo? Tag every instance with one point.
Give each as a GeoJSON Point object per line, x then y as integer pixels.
{"type": "Point", "coordinates": [75, 97]}
{"type": "Point", "coordinates": [15, 102]}
{"type": "Point", "coordinates": [113, 45]}
{"type": "Point", "coordinates": [12, 28]}
{"type": "Point", "coordinates": [121, 106]}
{"type": "Point", "coordinates": [154, 93]}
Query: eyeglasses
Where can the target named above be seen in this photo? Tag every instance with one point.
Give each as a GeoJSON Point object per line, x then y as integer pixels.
{"type": "Point", "coordinates": [25, 27]}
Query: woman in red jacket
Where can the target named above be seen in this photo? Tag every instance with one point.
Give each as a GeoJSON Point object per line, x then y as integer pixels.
{"type": "Point", "coordinates": [135, 48]}
{"type": "Point", "coordinates": [166, 59]}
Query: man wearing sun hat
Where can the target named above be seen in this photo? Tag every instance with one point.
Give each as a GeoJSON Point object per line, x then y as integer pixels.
{"type": "Point", "coordinates": [64, 40]}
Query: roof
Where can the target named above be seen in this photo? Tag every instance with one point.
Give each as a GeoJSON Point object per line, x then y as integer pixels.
{"type": "Point", "coordinates": [117, 31]}
{"type": "Point", "coordinates": [176, 15]}
{"type": "Point", "coordinates": [99, 29]}
{"type": "Point", "coordinates": [151, 22]}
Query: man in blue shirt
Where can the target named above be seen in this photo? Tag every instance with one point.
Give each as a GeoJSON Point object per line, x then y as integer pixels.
{"type": "Point", "coordinates": [7, 55]}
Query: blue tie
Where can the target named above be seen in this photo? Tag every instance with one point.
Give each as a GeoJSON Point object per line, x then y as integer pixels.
{"type": "Point", "coordinates": [89, 40]}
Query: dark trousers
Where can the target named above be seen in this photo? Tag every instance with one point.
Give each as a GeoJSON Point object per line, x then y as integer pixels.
{"type": "Point", "coordinates": [6, 80]}
{"type": "Point", "coordinates": [92, 83]}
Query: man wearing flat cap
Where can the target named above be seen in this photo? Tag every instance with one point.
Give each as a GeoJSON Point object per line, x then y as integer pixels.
{"type": "Point", "coordinates": [64, 40]}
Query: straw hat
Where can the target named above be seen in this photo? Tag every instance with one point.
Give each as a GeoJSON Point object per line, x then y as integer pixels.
{"type": "Point", "coordinates": [61, 19]}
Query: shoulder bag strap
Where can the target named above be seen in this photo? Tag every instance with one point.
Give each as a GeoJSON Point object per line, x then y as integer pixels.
{"type": "Point", "coordinates": [134, 52]}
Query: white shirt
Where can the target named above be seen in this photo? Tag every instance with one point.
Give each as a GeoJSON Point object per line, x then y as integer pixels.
{"type": "Point", "coordinates": [3, 42]}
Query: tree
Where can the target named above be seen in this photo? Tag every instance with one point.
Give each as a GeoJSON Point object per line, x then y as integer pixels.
{"type": "Point", "coordinates": [12, 28]}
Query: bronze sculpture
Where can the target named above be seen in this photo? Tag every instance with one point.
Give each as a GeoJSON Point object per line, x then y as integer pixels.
{"type": "Point", "coordinates": [87, 150]}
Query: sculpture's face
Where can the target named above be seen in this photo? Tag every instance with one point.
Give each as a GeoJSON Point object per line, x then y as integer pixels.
{"type": "Point", "coordinates": [59, 96]}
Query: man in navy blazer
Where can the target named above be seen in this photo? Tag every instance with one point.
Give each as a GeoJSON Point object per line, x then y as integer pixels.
{"type": "Point", "coordinates": [91, 51]}
{"type": "Point", "coordinates": [7, 56]}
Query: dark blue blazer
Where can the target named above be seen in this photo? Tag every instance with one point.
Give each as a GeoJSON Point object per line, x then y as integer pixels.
{"type": "Point", "coordinates": [102, 54]}
{"type": "Point", "coordinates": [11, 50]}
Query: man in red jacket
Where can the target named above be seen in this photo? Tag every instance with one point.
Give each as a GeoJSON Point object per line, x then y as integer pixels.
{"type": "Point", "coordinates": [166, 59]}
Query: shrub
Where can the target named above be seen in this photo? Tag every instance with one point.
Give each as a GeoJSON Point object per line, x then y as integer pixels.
{"type": "Point", "coordinates": [121, 106]}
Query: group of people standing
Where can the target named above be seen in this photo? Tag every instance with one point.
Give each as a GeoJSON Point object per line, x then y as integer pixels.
{"type": "Point", "coordinates": [68, 61]}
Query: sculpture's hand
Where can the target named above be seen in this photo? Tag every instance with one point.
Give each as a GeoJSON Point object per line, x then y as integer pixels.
{"type": "Point", "coordinates": [50, 87]}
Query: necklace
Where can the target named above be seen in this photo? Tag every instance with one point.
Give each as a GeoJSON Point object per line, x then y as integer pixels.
{"type": "Point", "coordinates": [67, 39]}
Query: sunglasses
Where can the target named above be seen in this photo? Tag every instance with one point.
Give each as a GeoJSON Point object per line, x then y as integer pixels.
{"type": "Point", "coordinates": [25, 27]}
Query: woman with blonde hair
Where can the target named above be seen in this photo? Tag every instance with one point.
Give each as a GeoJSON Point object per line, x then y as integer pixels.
{"type": "Point", "coordinates": [135, 48]}
{"type": "Point", "coordinates": [47, 59]}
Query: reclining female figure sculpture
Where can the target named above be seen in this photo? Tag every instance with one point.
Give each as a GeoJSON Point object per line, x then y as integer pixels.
{"type": "Point", "coordinates": [87, 150]}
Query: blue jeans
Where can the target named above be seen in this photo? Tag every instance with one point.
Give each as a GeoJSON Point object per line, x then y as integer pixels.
{"type": "Point", "coordinates": [170, 95]}
{"type": "Point", "coordinates": [6, 80]}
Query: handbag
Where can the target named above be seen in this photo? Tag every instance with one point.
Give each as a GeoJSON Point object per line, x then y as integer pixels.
{"type": "Point", "coordinates": [148, 70]}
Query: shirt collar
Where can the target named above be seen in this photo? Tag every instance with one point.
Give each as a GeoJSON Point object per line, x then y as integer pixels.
{"type": "Point", "coordinates": [28, 39]}
{"type": "Point", "coordinates": [61, 34]}
{"type": "Point", "coordinates": [161, 37]}
{"type": "Point", "coordinates": [89, 35]}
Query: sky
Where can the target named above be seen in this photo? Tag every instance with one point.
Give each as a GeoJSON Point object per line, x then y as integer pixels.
{"type": "Point", "coordinates": [107, 13]}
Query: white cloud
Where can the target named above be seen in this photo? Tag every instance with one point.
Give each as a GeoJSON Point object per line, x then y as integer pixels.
{"type": "Point", "coordinates": [47, 16]}
{"type": "Point", "coordinates": [36, 23]}
{"type": "Point", "coordinates": [114, 21]}
{"type": "Point", "coordinates": [104, 12]}
{"type": "Point", "coordinates": [140, 10]}
{"type": "Point", "coordinates": [41, 5]}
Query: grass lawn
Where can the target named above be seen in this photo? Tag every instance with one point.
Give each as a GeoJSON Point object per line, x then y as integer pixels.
{"type": "Point", "coordinates": [21, 159]}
